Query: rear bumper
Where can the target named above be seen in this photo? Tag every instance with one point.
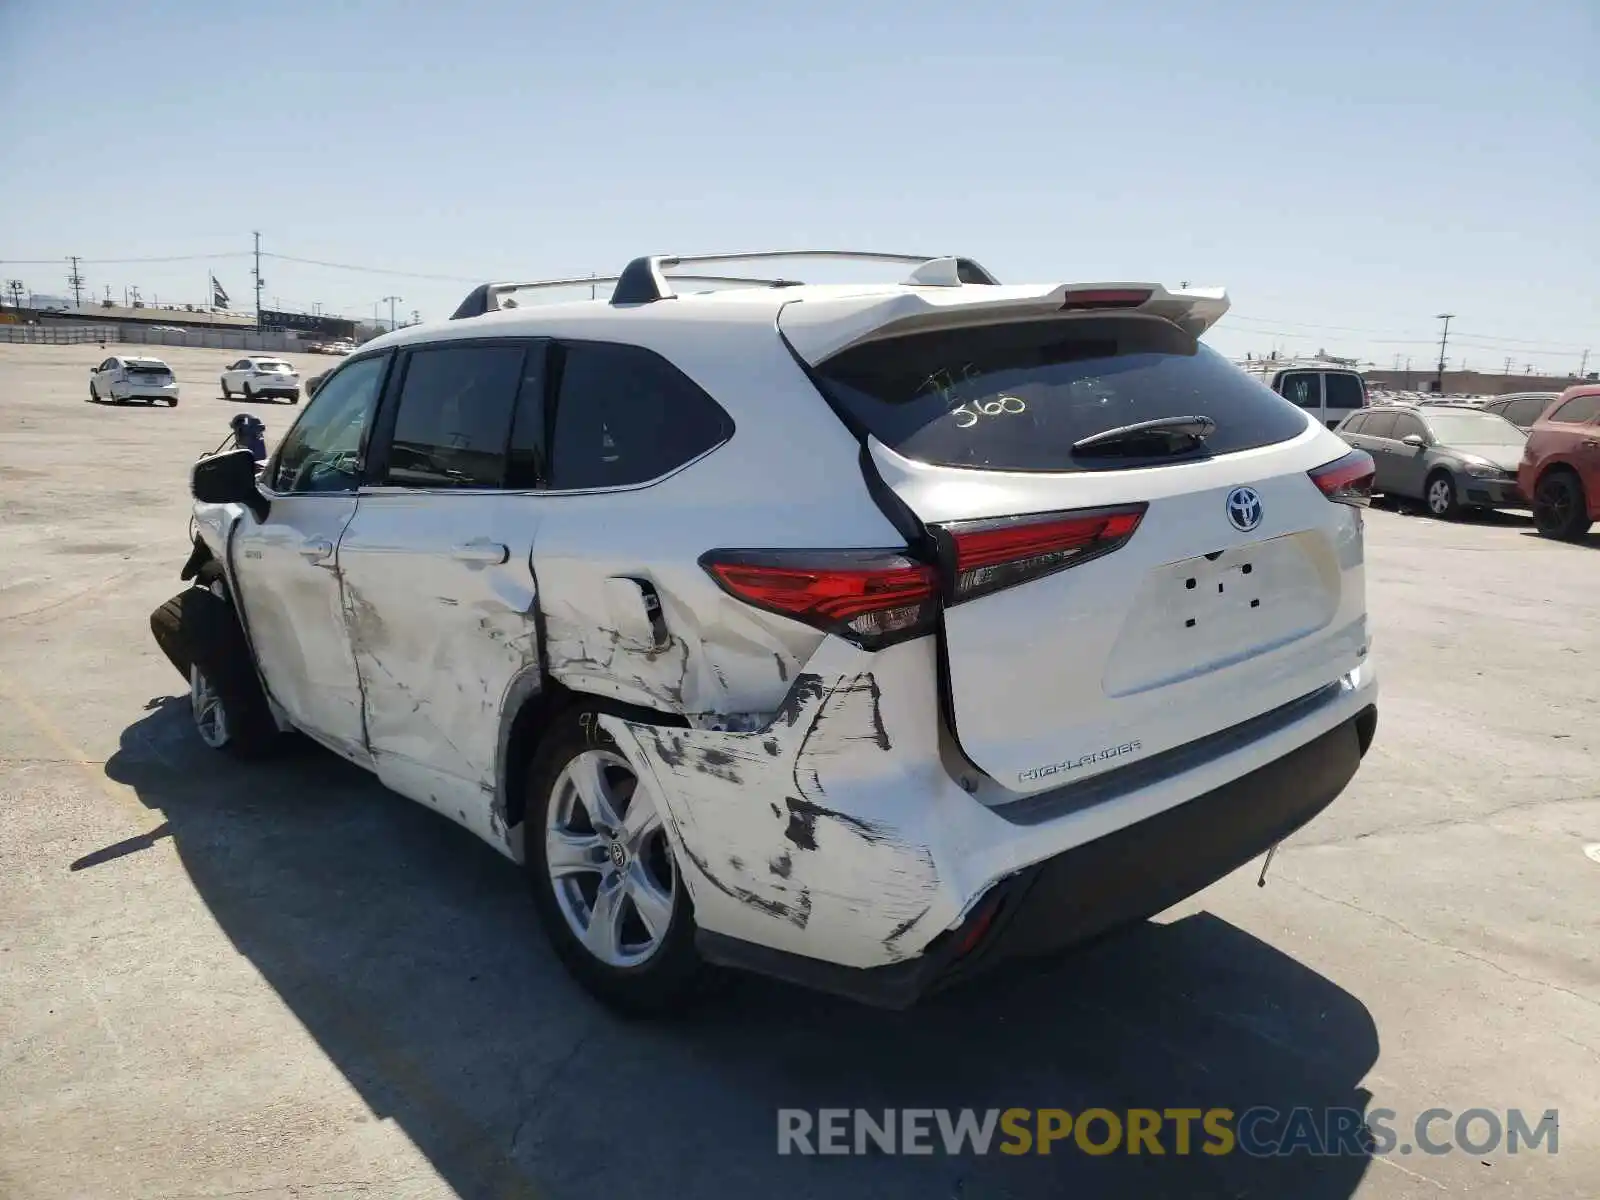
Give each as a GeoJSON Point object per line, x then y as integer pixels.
{"type": "Point", "coordinates": [1124, 876]}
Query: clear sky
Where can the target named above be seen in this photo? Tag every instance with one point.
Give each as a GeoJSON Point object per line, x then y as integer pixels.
{"type": "Point", "coordinates": [1347, 170]}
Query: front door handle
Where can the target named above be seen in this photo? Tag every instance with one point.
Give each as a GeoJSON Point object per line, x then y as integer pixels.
{"type": "Point", "coordinates": [316, 549]}
{"type": "Point", "coordinates": [492, 553]}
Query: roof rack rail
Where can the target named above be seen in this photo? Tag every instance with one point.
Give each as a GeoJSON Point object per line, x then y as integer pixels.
{"type": "Point", "coordinates": [487, 297]}
{"type": "Point", "coordinates": [645, 280]}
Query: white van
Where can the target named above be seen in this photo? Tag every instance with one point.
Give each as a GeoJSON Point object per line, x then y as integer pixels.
{"type": "Point", "coordinates": [1333, 392]}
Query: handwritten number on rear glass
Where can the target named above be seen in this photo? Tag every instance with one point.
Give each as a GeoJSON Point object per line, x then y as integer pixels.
{"type": "Point", "coordinates": [955, 388]}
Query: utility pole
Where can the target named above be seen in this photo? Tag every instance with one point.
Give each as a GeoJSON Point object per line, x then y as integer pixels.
{"type": "Point", "coordinates": [75, 281]}
{"type": "Point", "coordinates": [14, 286]}
{"type": "Point", "coordinates": [416, 317]}
{"type": "Point", "coordinates": [1584, 365]}
{"type": "Point", "coordinates": [257, 274]}
{"type": "Point", "coordinates": [1444, 340]}
{"type": "Point", "coordinates": [1508, 365]}
{"type": "Point", "coordinates": [391, 300]}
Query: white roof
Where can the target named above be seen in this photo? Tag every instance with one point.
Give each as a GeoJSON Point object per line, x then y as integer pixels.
{"type": "Point", "coordinates": [819, 319]}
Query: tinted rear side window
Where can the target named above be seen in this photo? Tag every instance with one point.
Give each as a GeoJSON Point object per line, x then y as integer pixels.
{"type": "Point", "coordinates": [455, 417]}
{"type": "Point", "coordinates": [625, 415]}
{"type": "Point", "coordinates": [1343, 391]}
{"type": "Point", "coordinates": [1017, 397]}
{"type": "Point", "coordinates": [1303, 389]}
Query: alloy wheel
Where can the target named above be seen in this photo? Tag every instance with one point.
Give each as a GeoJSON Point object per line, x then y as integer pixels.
{"type": "Point", "coordinates": [1439, 497]}
{"type": "Point", "coordinates": [206, 707]}
{"type": "Point", "coordinates": [608, 859]}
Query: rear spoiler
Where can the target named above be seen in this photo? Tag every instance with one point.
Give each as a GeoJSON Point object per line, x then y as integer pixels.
{"type": "Point", "coordinates": [819, 329]}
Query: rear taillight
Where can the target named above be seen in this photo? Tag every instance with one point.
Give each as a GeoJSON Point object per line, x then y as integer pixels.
{"type": "Point", "coordinates": [1106, 298]}
{"type": "Point", "coordinates": [1347, 480]}
{"type": "Point", "coordinates": [984, 556]}
{"type": "Point", "coordinates": [870, 597]}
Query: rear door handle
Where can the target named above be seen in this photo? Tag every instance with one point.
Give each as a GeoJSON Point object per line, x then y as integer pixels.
{"type": "Point", "coordinates": [492, 553]}
{"type": "Point", "coordinates": [316, 549]}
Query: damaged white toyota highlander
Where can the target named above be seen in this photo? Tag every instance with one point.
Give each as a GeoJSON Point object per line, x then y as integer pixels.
{"type": "Point", "coordinates": [864, 636]}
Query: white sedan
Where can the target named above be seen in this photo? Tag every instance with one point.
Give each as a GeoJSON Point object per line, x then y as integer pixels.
{"type": "Point", "coordinates": [121, 378]}
{"type": "Point", "coordinates": [261, 378]}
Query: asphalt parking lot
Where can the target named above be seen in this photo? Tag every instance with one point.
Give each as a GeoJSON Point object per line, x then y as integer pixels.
{"type": "Point", "coordinates": [282, 980]}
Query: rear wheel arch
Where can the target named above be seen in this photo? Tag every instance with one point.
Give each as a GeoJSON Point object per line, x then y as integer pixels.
{"type": "Point", "coordinates": [530, 715]}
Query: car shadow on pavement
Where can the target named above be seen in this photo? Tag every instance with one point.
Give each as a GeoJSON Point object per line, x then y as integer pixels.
{"type": "Point", "coordinates": [407, 949]}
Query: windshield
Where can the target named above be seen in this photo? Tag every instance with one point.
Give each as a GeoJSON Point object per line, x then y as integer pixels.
{"type": "Point", "coordinates": [1474, 429]}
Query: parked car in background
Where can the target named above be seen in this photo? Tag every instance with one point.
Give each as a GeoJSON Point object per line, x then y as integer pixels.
{"type": "Point", "coordinates": [1561, 464]}
{"type": "Point", "coordinates": [862, 637]}
{"type": "Point", "coordinates": [1331, 392]}
{"type": "Point", "coordinates": [125, 377]}
{"type": "Point", "coordinates": [263, 378]}
{"type": "Point", "coordinates": [1522, 409]}
{"type": "Point", "coordinates": [1450, 457]}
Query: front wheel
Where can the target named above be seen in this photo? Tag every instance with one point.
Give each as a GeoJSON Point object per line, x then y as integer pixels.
{"type": "Point", "coordinates": [1441, 497]}
{"type": "Point", "coordinates": [94, 393]}
{"type": "Point", "coordinates": [1560, 509]}
{"type": "Point", "coordinates": [208, 710]}
{"type": "Point", "coordinates": [603, 873]}
{"type": "Point", "coordinates": [172, 402]}
{"type": "Point", "coordinates": [248, 394]}
{"type": "Point", "coordinates": [227, 393]}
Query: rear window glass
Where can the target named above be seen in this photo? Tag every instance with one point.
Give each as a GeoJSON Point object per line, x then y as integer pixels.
{"type": "Point", "coordinates": [1017, 397]}
{"type": "Point", "coordinates": [1343, 391]}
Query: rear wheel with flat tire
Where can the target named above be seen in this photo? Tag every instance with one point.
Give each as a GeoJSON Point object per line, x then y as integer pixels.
{"type": "Point", "coordinates": [603, 873]}
{"type": "Point", "coordinates": [1560, 508]}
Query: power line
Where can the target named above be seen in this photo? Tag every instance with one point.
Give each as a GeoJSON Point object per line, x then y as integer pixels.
{"type": "Point", "coordinates": [317, 262]}
{"type": "Point", "coordinates": [98, 262]}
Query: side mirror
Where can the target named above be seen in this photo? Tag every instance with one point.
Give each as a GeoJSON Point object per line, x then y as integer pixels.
{"type": "Point", "coordinates": [228, 478]}
{"type": "Point", "coordinates": [1415, 440]}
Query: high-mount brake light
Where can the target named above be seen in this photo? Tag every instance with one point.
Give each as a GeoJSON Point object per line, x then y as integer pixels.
{"type": "Point", "coordinates": [985, 556]}
{"type": "Point", "coordinates": [873, 598]}
{"type": "Point", "coordinates": [1347, 480]}
{"type": "Point", "coordinates": [1106, 298]}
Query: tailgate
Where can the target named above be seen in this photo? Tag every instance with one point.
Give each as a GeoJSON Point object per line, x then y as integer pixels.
{"type": "Point", "coordinates": [1106, 602]}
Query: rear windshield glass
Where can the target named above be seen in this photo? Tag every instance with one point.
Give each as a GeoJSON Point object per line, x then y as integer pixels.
{"type": "Point", "coordinates": [1342, 391]}
{"type": "Point", "coordinates": [1016, 397]}
{"type": "Point", "coordinates": [267, 364]}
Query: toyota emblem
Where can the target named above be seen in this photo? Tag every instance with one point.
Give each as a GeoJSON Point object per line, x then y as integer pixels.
{"type": "Point", "coordinates": [1244, 509]}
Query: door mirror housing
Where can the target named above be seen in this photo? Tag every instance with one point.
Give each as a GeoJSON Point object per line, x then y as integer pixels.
{"type": "Point", "coordinates": [228, 478]}
{"type": "Point", "coordinates": [1415, 440]}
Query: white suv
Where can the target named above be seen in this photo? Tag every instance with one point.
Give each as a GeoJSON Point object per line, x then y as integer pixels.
{"type": "Point", "coordinates": [858, 635]}
{"type": "Point", "coordinates": [261, 378]}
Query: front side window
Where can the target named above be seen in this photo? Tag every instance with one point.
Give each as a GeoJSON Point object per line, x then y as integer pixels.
{"type": "Point", "coordinates": [322, 453]}
{"type": "Point", "coordinates": [454, 418]}
{"type": "Point", "coordinates": [625, 415]}
{"type": "Point", "coordinates": [1405, 425]}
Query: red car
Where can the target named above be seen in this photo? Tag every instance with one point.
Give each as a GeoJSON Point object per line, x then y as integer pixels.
{"type": "Point", "coordinates": [1560, 467]}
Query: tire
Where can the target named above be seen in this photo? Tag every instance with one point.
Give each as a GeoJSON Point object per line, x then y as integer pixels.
{"type": "Point", "coordinates": [201, 637]}
{"type": "Point", "coordinates": [648, 965]}
{"type": "Point", "coordinates": [1439, 495]}
{"type": "Point", "coordinates": [172, 402]}
{"type": "Point", "coordinates": [94, 394]}
{"type": "Point", "coordinates": [1560, 508]}
{"type": "Point", "coordinates": [249, 396]}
